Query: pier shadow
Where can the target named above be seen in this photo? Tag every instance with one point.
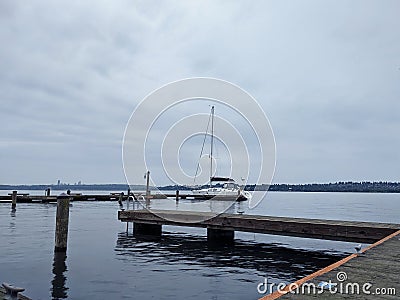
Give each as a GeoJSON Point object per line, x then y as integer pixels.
{"type": "Point", "coordinates": [59, 289]}
{"type": "Point", "coordinates": [273, 259]}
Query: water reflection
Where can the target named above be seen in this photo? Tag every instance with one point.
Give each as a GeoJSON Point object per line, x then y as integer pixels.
{"type": "Point", "coordinates": [187, 250]}
{"type": "Point", "coordinates": [12, 225]}
{"type": "Point", "coordinates": [59, 289]}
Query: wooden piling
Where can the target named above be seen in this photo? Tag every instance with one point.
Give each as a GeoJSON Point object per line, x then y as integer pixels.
{"type": "Point", "coordinates": [62, 218]}
{"type": "Point", "coordinates": [14, 200]}
{"type": "Point", "coordinates": [127, 200]}
{"type": "Point", "coordinates": [121, 198]}
{"type": "Point", "coordinates": [48, 192]}
{"type": "Point", "coordinates": [147, 185]}
{"type": "Point", "coordinates": [177, 195]}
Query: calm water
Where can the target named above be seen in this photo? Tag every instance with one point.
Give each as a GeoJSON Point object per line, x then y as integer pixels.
{"type": "Point", "coordinates": [103, 262]}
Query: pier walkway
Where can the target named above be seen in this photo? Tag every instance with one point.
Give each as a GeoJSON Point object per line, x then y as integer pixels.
{"type": "Point", "coordinates": [112, 196]}
{"type": "Point", "coordinates": [224, 225]}
{"type": "Point", "coordinates": [372, 274]}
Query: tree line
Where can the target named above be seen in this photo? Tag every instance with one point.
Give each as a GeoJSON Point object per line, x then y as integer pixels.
{"type": "Point", "coordinates": [349, 186]}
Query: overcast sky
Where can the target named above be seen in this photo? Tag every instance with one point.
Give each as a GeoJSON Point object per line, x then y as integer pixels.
{"type": "Point", "coordinates": [326, 73]}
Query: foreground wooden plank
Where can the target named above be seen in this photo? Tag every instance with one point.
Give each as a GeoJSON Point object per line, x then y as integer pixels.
{"type": "Point", "coordinates": [372, 274]}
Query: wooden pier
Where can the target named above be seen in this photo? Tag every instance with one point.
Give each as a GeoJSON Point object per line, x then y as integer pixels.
{"type": "Point", "coordinates": [224, 225]}
{"type": "Point", "coordinates": [26, 198]}
{"type": "Point", "coordinates": [113, 196]}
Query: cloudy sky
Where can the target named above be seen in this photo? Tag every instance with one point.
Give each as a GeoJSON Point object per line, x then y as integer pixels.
{"type": "Point", "coordinates": [326, 73]}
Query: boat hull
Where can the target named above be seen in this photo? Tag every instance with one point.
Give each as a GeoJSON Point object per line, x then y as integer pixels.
{"type": "Point", "coordinates": [222, 195]}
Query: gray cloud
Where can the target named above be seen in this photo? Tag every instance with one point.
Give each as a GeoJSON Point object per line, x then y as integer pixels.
{"type": "Point", "coordinates": [326, 73]}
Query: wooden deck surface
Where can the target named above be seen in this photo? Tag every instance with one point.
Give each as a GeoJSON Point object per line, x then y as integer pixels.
{"type": "Point", "coordinates": [374, 274]}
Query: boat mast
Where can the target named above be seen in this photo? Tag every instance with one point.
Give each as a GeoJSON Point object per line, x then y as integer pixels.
{"type": "Point", "coordinates": [212, 142]}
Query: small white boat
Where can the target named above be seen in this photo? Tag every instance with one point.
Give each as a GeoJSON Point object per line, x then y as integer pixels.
{"type": "Point", "coordinates": [227, 189]}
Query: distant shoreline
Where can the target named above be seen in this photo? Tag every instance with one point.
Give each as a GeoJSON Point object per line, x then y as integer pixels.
{"type": "Point", "coordinates": [349, 187]}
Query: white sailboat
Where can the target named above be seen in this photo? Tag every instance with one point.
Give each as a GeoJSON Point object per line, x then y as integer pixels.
{"type": "Point", "coordinates": [227, 189]}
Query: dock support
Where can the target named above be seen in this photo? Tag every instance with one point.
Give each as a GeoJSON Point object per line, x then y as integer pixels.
{"type": "Point", "coordinates": [147, 185]}
{"type": "Point", "coordinates": [177, 195]}
{"type": "Point", "coordinates": [62, 218]}
{"type": "Point", "coordinates": [14, 200]}
{"type": "Point", "coordinates": [48, 192]}
{"type": "Point", "coordinates": [143, 229]}
{"type": "Point", "coordinates": [121, 197]}
{"type": "Point", "coordinates": [220, 236]}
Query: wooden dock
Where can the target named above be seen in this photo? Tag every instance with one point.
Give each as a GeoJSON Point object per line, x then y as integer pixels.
{"type": "Point", "coordinates": [225, 225]}
{"type": "Point", "coordinates": [26, 198]}
{"type": "Point", "coordinates": [112, 196]}
{"type": "Point", "coordinates": [47, 199]}
{"type": "Point", "coordinates": [371, 274]}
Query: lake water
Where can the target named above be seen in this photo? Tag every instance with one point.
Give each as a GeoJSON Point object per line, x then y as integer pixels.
{"type": "Point", "coordinates": [104, 262]}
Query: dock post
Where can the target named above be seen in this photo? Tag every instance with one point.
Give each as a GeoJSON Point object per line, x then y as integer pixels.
{"type": "Point", "coordinates": [177, 195]}
{"type": "Point", "coordinates": [121, 197]}
{"type": "Point", "coordinates": [147, 185]}
{"type": "Point", "coordinates": [62, 218]}
{"type": "Point", "coordinates": [127, 200]}
{"type": "Point", "coordinates": [48, 192]}
{"type": "Point", "coordinates": [14, 200]}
